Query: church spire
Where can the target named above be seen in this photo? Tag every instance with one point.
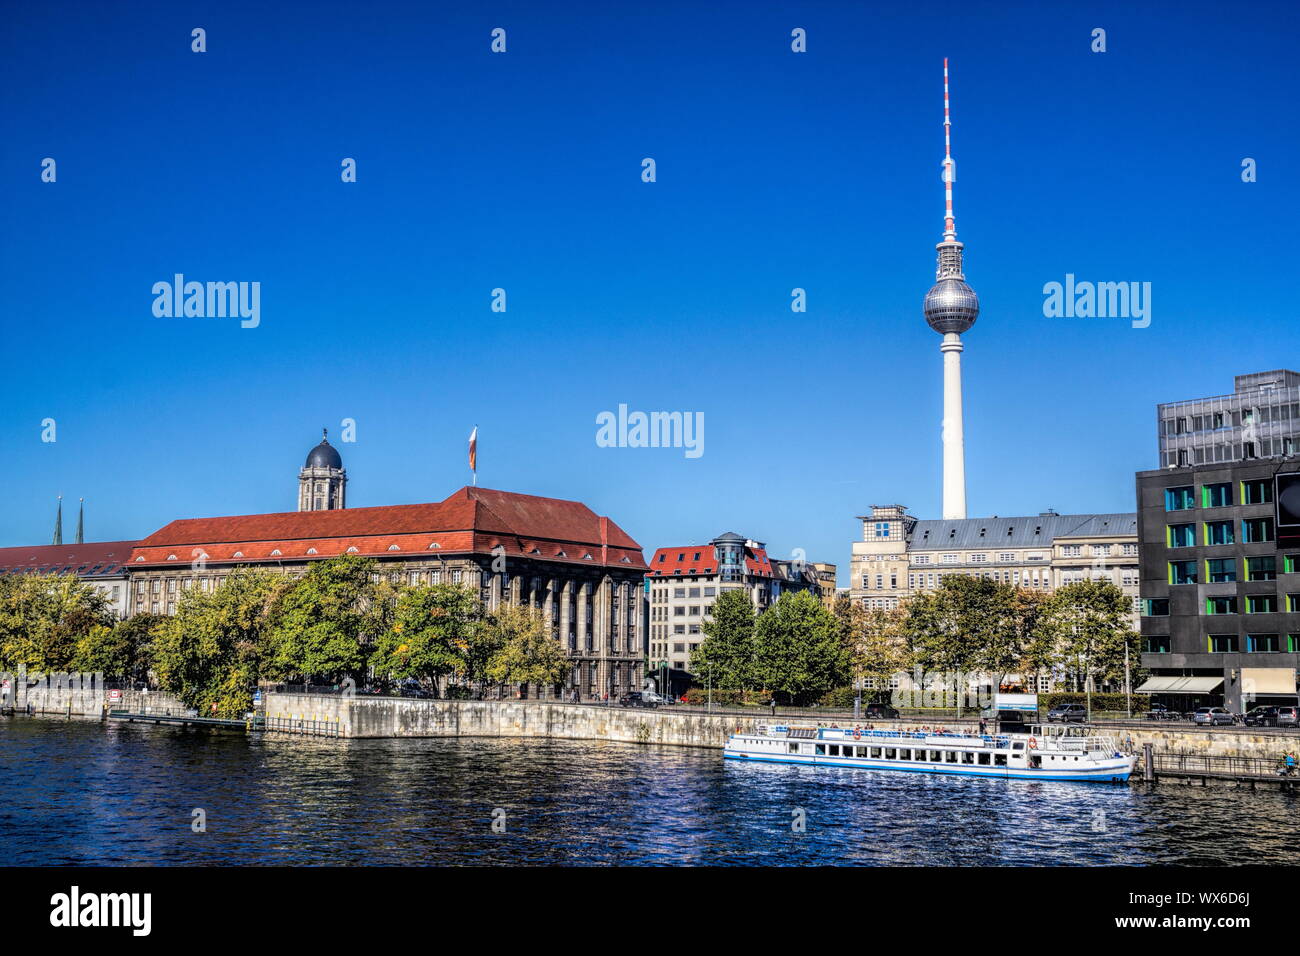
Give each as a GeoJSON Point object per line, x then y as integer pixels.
{"type": "Point", "coordinates": [81, 521]}
{"type": "Point", "coordinates": [58, 524]}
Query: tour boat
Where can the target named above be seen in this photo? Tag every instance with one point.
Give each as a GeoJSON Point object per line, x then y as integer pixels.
{"type": "Point", "coordinates": [1054, 754]}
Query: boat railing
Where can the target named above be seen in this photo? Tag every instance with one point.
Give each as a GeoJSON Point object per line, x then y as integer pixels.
{"type": "Point", "coordinates": [1084, 744]}
{"type": "Point", "coordinates": [851, 733]}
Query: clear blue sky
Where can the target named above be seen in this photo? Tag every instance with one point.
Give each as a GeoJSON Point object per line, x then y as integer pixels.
{"type": "Point", "coordinates": [522, 171]}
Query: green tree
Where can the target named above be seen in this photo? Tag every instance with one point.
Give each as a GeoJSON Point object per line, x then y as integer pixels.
{"type": "Point", "coordinates": [322, 623]}
{"type": "Point", "coordinates": [876, 642]}
{"type": "Point", "coordinates": [436, 632]}
{"type": "Point", "coordinates": [125, 650]}
{"type": "Point", "coordinates": [212, 649]}
{"type": "Point", "coordinates": [1089, 621]}
{"type": "Point", "coordinates": [44, 616]}
{"type": "Point", "coordinates": [799, 652]}
{"type": "Point", "coordinates": [528, 653]}
{"type": "Point", "coordinates": [726, 655]}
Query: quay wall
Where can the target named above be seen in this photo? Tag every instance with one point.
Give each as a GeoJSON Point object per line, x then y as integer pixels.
{"type": "Point", "coordinates": [400, 717]}
{"type": "Point", "coordinates": [76, 696]}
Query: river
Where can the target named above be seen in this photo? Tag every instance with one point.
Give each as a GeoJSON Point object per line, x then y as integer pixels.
{"type": "Point", "coordinates": [78, 793]}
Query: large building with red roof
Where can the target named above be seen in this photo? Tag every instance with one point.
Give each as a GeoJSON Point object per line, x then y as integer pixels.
{"type": "Point", "coordinates": [685, 581]}
{"type": "Point", "coordinates": [582, 570]}
{"type": "Point", "coordinates": [99, 563]}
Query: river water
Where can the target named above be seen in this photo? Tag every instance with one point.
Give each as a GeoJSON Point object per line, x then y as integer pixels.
{"type": "Point", "coordinates": [88, 794]}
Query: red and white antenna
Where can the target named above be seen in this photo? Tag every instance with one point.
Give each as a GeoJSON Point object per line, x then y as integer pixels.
{"type": "Point", "coordinates": [949, 167]}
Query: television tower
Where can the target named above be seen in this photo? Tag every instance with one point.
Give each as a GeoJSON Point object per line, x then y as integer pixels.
{"type": "Point", "coordinates": [951, 308]}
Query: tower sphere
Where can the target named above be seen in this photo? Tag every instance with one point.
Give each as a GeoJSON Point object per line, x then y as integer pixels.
{"type": "Point", "coordinates": [951, 306]}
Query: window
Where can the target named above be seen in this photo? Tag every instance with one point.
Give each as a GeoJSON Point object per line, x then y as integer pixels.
{"type": "Point", "coordinates": [1180, 535]}
{"type": "Point", "coordinates": [1262, 644]}
{"type": "Point", "coordinates": [950, 559]}
{"type": "Point", "coordinates": [1292, 603]}
{"type": "Point", "coordinates": [1221, 570]}
{"type": "Point", "coordinates": [1182, 572]}
{"type": "Point", "coordinates": [1155, 644]}
{"type": "Point", "coordinates": [1289, 564]}
{"type": "Point", "coordinates": [1223, 643]}
{"type": "Point", "coordinates": [1178, 499]}
{"type": "Point", "coordinates": [1155, 607]}
{"type": "Point", "coordinates": [1221, 605]}
{"type": "Point", "coordinates": [1071, 550]}
{"type": "Point", "coordinates": [1218, 532]}
{"type": "Point", "coordinates": [1218, 495]}
{"type": "Point", "coordinates": [978, 558]}
{"type": "Point", "coordinates": [882, 529]}
{"type": "Point", "coordinates": [1256, 492]}
{"type": "Point", "coordinates": [1255, 530]}
{"type": "Point", "coordinates": [1007, 557]}
{"type": "Point", "coordinates": [1261, 569]}
{"type": "Point", "coordinates": [1261, 604]}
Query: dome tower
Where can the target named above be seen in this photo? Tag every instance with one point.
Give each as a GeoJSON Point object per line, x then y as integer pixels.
{"type": "Point", "coordinates": [322, 482]}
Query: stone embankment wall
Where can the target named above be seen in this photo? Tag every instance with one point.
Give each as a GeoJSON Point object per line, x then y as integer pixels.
{"type": "Point", "coordinates": [397, 717]}
{"type": "Point", "coordinates": [78, 696]}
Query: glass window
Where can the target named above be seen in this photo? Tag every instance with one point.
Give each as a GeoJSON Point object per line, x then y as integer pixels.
{"type": "Point", "coordinates": [1218, 495]}
{"type": "Point", "coordinates": [1218, 532]}
{"type": "Point", "coordinates": [1181, 535]}
{"type": "Point", "coordinates": [1155, 607]}
{"type": "Point", "coordinates": [1221, 605]}
{"type": "Point", "coordinates": [1261, 604]}
{"type": "Point", "coordinates": [1178, 499]}
{"type": "Point", "coordinates": [1155, 644]}
{"type": "Point", "coordinates": [1255, 530]}
{"type": "Point", "coordinates": [1261, 569]}
{"type": "Point", "coordinates": [1223, 643]}
{"type": "Point", "coordinates": [1256, 492]}
{"type": "Point", "coordinates": [1263, 643]}
{"type": "Point", "coordinates": [1221, 570]}
{"type": "Point", "coordinates": [1182, 572]}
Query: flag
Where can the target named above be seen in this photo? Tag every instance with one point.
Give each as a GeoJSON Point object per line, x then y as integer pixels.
{"type": "Point", "coordinates": [473, 449]}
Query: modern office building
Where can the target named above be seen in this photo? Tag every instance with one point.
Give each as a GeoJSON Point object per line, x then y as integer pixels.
{"type": "Point", "coordinates": [1220, 545]}
{"type": "Point", "coordinates": [684, 582]}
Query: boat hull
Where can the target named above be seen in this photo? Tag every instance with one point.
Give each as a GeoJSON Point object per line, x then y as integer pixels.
{"type": "Point", "coordinates": [1109, 771]}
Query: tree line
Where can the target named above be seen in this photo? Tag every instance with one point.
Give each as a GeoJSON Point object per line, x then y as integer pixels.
{"type": "Point", "coordinates": [339, 620]}
{"type": "Point", "coordinates": [797, 650]}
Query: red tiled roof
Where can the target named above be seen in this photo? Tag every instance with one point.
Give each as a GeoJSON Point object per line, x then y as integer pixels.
{"type": "Point", "coordinates": [108, 556]}
{"type": "Point", "coordinates": [682, 560]}
{"type": "Point", "coordinates": [473, 520]}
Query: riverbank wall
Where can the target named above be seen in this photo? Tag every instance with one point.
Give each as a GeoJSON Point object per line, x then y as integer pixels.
{"type": "Point", "coordinates": [360, 717]}
{"type": "Point", "coordinates": [76, 696]}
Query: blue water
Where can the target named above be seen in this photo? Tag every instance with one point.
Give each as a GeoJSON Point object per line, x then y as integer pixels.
{"type": "Point", "coordinates": [89, 794]}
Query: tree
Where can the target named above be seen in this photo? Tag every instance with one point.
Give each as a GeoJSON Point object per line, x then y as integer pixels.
{"type": "Point", "coordinates": [963, 627]}
{"type": "Point", "coordinates": [1090, 625]}
{"type": "Point", "coordinates": [321, 623]}
{"type": "Point", "coordinates": [875, 640]}
{"type": "Point", "coordinates": [726, 655]}
{"type": "Point", "coordinates": [528, 653]}
{"type": "Point", "coordinates": [798, 648]}
{"type": "Point", "coordinates": [125, 650]}
{"type": "Point", "coordinates": [43, 616]}
{"type": "Point", "coordinates": [436, 632]}
{"type": "Point", "coordinates": [211, 651]}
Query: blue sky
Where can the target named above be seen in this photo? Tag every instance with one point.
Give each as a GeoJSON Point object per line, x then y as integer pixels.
{"type": "Point", "coordinates": [521, 170]}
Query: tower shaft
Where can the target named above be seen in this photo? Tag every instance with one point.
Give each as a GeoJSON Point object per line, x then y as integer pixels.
{"type": "Point", "coordinates": [954, 437]}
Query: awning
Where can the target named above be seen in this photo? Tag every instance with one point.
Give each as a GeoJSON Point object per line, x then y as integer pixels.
{"type": "Point", "coordinates": [1267, 680]}
{"type": "Point", "coordinates": [1180, 685]}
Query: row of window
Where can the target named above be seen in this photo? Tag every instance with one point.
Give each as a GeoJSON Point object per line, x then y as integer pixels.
{"type": "Point", "coordinates": [1255, 604]}
{"type": "Point", "coordinates": [1224, 570]}
{"type": "Point", "coordinates": [1231, 644]}
{"type": "Point", "coordinates": [1253, 531]}
{"type": "Point", "coordinates": [1219, 494]}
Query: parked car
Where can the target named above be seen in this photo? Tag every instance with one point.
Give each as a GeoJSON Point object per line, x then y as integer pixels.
{"type": "Point", "coordinates": [636, 698]}
{"type": "Point", "coordinates": [1260, 717]}
{"type": "Point", "coordinates": [881, 712]}
{"type": "Point", "coordinates": [1161, 712]}
{"type": "Point", "coordinates": [1288, 717]}
{"type": "Point", "coordinates": [1067, 713]}
{"type": "Point", "coordinates": [1212, 717]}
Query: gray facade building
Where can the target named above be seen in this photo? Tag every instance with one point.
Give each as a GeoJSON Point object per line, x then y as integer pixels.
{"type": "Point", "coordinates": [1220, 568]}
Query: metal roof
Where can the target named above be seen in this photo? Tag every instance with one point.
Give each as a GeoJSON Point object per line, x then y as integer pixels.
{"type": "Point", "coordinates": [1025, 532]}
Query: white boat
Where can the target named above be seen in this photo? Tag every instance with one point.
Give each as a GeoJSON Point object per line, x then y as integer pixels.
{"type": "Point", "coordinates": [1044, 754]}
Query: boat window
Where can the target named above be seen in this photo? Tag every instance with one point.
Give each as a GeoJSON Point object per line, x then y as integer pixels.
{"type": "Point", "coordinates": [1018, 746]}
{"type": "Point", "coordinates": [950, 756]}
{"type": "Point", "coordinates": [936, 756]}
{"type": "Point", "coordinates": [794, 748]}
{"type": "Point", "coordinates": [984, 759]}
{"type": "Point", "coordinates": [968, 756]}
{"type": "Point", "coordinates": [999, 760]}
{"type": "Point", "coordinates": [821, 750]}
{"type": "Point", "coordinates": [891, 753]}
{"type": "Point", "coordinates": [835, 750]}
{"type": "Point", "coordinates": [875, 753]}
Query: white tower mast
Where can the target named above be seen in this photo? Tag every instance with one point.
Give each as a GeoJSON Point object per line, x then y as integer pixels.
{"type": "Point", "coordinates": [951, 308]}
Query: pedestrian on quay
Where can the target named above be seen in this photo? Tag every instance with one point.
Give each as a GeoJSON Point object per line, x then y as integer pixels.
{"type": "Point", "coordinates": [984, 725]}
{"type": "Point", "coordinates": [773, 703]}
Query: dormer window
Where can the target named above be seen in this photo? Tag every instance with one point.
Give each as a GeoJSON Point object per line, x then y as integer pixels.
{"type": "Point", "coordinates": [171, 557]}
{"type": "Point", "coordinates": [587, 556]}
{"type": "Point", "coordinates": [311, 550]}
{"type": "Point", "coordinates": [274, 554]}
{"type": "Point", "coordinates": [352, 550]}
{"type": "Point", "coordinates": [562, 554]}
{"type": "Point", "coordinates": [433, 546]}
{"type": "Point", "coordinates": [393, 547]}
{"type": "Point", "coordinates": [240, 554]}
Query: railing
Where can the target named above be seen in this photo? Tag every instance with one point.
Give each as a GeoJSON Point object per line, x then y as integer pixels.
{"type": "Point", "coordinates": [1214, 765]}
{"type": "Point", "coordinates": [297, 725]}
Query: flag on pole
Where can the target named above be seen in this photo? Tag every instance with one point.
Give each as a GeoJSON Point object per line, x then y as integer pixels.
{"type": "Point", "coordinates": [473, 453]}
